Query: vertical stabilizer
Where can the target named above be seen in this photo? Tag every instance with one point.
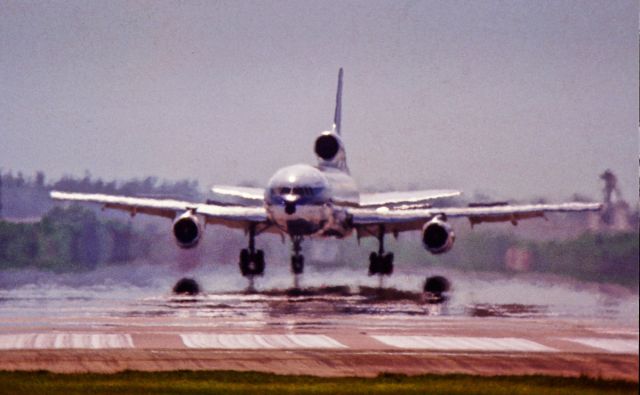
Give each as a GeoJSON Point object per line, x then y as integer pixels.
{"type": "Point", "coordinates": [338, 115]}
{"type": "Point", "coordinates": [328, 147]}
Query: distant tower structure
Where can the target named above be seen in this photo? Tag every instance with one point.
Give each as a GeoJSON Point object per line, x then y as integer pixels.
{"type": "Point", "coordinates": [610, 186]}
{"type": "Point", "coordinates": [0, 193]}
{"type": "Point", "coordinates": [616, 213]}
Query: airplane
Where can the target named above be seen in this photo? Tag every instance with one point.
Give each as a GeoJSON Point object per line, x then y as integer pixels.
{"type": "Point", "coordinates": [303, 201]}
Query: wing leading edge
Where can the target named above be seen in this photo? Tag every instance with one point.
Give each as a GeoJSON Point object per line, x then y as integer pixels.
{"type": "Point", "coordinates": [413, 219]}
{"type": "Point", "coordinates": [231, 216]}
{"type": "Point", "coordinates": [408, 198]}
{"type": "Point", "coordinates": [247, 196]}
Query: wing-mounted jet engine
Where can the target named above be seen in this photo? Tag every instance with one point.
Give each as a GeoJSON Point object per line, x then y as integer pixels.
{"type": "Point", "coordinates": [437, 236]}
{"type": "Point", "coordinates": [187, 230]}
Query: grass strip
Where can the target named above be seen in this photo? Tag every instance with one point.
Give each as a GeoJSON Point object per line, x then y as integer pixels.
{"type": "Point", "coordinates": [227, 382]}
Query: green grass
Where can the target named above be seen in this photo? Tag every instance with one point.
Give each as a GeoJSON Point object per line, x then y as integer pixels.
{"type": "Point", "coordinates": [222, 382]}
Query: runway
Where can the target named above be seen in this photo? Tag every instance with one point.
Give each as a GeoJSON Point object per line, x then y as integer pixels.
{"type": "Point", "coordinates": [329, 331]}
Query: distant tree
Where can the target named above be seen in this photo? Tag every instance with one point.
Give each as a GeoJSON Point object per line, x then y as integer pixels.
{"type": "Point", "coordinates": [19, 180]}
{"type": "Point", "coordinates": [75, 235]}
{"type": "Point", "coordinates": [18, 244]}
{"type": "Point", "coordinates": [39, 179]}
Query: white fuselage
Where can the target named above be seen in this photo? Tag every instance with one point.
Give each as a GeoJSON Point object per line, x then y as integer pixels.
{"type": "Point", "coordinates": [303, 200]}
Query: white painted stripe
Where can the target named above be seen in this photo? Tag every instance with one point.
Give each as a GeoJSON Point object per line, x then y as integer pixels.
{"type": "Point", "coordinates": [65, 340]}
{"type": "Point", "coordinates": [253, 341]}
{"type": "Point", "coordinates": [463, 343]}
{"type": "Point", "coordinates": [617, 346]}
{"type": "Point", "coordinates": [621, 331]}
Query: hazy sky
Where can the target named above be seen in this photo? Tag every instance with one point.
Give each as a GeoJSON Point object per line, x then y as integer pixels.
{"type": "Point", "coordinates": [512, 98]}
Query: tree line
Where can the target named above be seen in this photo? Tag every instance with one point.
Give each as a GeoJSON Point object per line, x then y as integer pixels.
{"type": "Point", "coordinates": [600, 257]}
{"type": "Point", "coordinates": [28, 197]}
{"type": "Point", "coordinates": [76, 238]}
{"type": "Point", "coordinates": [72, 238]}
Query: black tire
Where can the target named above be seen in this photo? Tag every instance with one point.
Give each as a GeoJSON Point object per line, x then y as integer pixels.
{"type": "Point", "coordinates": [374, 264]}
{"type": "Point", "coordinates": [245, 257]}
{"type": "Point", "coordinates": [259, 263]}
{"type": "Point", "coordinates": [297, 264]}
{"type": "Point", "coordinates": [387, 264]}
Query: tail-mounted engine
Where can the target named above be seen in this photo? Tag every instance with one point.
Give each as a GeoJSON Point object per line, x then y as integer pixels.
{"type": "Point", "coordinates": [187, 230]}
{"type": "Point", "coordinates": [330, 151]}
{"type": "Point", "coordinates": [437, 236]}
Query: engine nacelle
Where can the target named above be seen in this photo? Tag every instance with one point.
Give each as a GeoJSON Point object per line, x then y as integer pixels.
{"type": "Point", "coordinates": [187, 230]}
{"type": "Point", "coordinates": [328, 146]}
{"type": "Point", "coordinates": [437, 236]}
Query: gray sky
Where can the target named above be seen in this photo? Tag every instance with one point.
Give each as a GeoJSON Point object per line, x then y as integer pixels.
{"type": "Point", "coordinates": [516, 99]}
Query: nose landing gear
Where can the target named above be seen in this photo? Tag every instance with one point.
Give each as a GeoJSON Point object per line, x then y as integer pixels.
{"type": "Point", "coordinates": [297, 261]}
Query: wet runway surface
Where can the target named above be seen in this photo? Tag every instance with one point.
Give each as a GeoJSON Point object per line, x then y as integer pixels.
{"type": "Point", "coordinates": [554, 328]}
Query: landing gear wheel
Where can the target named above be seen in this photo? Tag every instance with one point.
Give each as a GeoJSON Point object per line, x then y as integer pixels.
{"type": "Point", "coordinates": [297, 264]}
{"type": "Point", "coordinates": [259, 263]}
{"type": "Point", "coordinates": [251, 264]}
{"type": "Point", "coordinates": [381, 264]}
{"type": "Point", "coordinates": [374, 264]}
{"type": "Point", "coordinates": [245, 259]}
{"type": "Point", "coordinates": [387, 264]}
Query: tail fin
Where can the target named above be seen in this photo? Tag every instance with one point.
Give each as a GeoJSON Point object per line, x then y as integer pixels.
{"type": "Point", "coordinates": [338, 114]}
{"type": "Point", "coordinates": [328, 147]}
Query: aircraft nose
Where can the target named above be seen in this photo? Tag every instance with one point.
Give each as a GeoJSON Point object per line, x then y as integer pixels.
{"type": "Point", "coordinates": [290, 201]}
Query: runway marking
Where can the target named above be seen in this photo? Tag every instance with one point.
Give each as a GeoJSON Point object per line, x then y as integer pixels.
{"type": "Point", "coordinates": [64, 340]}
{"type": "Point", "coordinates": [463, 343]}
{"type": "Point", "coordinates": [616, 346]}
{"type": "Point", "coordinates": [253, 341]}
{"type": "Point", "coordinates": [609, 331]}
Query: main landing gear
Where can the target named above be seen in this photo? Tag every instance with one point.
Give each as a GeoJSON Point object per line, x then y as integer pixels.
{"type": "Point", "coordinates": [381, 263]}
{"type": "Point", "coordinates": [251, 260]}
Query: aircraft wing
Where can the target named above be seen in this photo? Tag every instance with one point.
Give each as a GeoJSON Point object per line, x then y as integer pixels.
{"type": "Point", "coordinates": [399, 220]}
{"type": "Point", "coordinates": [231, 216]}
{"type": "Point", "coordinates": [409, 198]}
{"type": "Point", "coordinates": [247, 195]}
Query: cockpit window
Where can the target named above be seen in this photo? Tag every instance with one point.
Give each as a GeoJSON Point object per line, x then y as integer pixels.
{"type": "Point", "coordinates": [300, 191]}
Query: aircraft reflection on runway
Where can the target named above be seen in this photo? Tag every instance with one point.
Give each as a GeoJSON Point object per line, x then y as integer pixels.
{"type": "Point", "coordinates": [323, 305]}
{"type": "Point", "coordinates": [64, 300]}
